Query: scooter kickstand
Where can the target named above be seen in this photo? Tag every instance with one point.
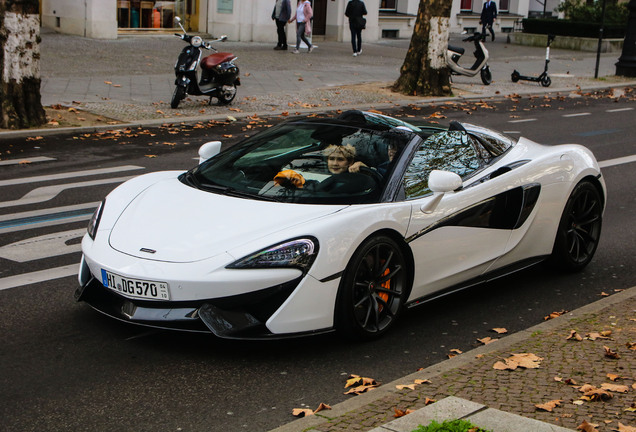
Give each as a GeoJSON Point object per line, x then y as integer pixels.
{"type": "Point", "coordinates": [210, 101]}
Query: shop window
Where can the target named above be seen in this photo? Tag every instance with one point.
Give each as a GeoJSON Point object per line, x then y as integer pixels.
{"type": "Point", "coordinates": [148, 14]}
{"type": "Point", "coordinates": [504, 5]}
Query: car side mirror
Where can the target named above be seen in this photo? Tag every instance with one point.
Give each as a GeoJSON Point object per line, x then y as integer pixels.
{"type": "Point", "coordinates": [209, 150]}
{"type": "Point", "coordinates": [444, 181]}
{"type": "Point", "coordinates": [440, 182]}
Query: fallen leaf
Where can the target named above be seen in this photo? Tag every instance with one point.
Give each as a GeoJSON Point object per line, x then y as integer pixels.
{"type": "Point", "coordinates": [595, 335]}
{"type": "Point", "coordinates": [611, 354]}
{"type": "Point", "coordinates": [456, 351]}
{"type": "Point", "coordinates": [422, 381]}
{"type": "Point", "coordinates": [615, 387]}
{"type": "Point", "coordinates": [587, 427]}
{"type": "Point", "coordinates": [624, 428]}
{"type": "Point", "coordinates": [574, 336]}
{"type": "Point", "coordinates": [428, 401]}
{"type": "Point", "coordinates": [548, 406]}
{"type": "Point", "coordinates": [321, 407]}
{"type": "Point", "coordinates": [613, 377]}
{"type": "Point", "coordinates": [302, 412]}
{"type": "Point", "coordinates": [486, 340]}
{"type": "Point", "coordinates": [400, 413]}
{"type": "Point", "coordinates": [500, 330]}
{"type": "Point", "coordinates": [555, 314]}
{"type": "Point", "coordinates": [403, 386]}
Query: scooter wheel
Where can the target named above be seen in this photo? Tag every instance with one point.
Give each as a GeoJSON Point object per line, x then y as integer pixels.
{"type": "Point", "coordinates": [486, 76]}
{"type": "Point", "coordinates": [177, 96]}
{"type": "Point", "coordinates": [515, 77]}
{"type": "Point", "coordinates": [546, 81]}
{"type": "Point", "coordinates": [226, 94]}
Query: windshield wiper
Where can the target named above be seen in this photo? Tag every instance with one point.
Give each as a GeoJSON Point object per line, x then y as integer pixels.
{"type": "Point", "coordinates": [229, 191]}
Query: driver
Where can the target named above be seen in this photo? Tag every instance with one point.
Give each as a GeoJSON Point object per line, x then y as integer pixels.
{"type": "Point", "coordinates": [339, 158]}
{"type": "Point", "coordinates": [381, 168]}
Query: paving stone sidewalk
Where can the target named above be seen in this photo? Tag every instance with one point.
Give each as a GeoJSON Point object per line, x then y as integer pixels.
{"type": "Point", "coordinates": [567, 364]}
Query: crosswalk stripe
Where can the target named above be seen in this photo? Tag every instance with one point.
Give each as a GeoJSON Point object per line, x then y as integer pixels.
{"type": "Point", "coordinates": [27, 160]}
{"type": "Point", "coordinates": [38, 276]}
{"type": "Point", "coordinates": [69, 175]}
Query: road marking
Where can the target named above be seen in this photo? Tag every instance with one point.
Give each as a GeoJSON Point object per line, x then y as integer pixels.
{"type": "Point", "coordinates": [46, 193]}
{"type": "Point", "coordinates": [577, 114]}
{"type": "Point", "coordinates": [619, 110]}
{"type": "Point", "coordinates": [30, 160]}
{"type": "Point", "coordinates": [617, 161]}
{"type": "Point", "coordinates": [38, 276]}
{"type": "Point", "coordinates": [43, 246]}
{"type": "Point", "coordinates": [69, 175]}
{"type": "Point", "coordinates": [522, 120]}
{"type": "Point", "coordinates": [598, 132]}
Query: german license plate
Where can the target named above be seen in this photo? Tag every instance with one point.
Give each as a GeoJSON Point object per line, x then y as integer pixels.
{"type": "Point", "coordinates": [135, 287]}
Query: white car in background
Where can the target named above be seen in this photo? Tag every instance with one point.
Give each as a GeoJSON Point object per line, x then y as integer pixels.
{"type": "Point", "coordinates": [265, 240]}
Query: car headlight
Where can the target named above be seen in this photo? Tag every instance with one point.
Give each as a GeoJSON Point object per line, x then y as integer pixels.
{"type": "Point", "coordinates": [298, 253]}
{"type": "Point", "coordinates": [94, 222]}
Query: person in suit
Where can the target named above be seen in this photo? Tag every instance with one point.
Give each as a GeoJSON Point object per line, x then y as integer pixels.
{"type": "Point", "coordinates": [488, 17]}
{"type": "Point", "coordinates": [280, 14]}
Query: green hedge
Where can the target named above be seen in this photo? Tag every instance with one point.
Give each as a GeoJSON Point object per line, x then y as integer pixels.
{"type": "Point", "coordinates": [569, 28]}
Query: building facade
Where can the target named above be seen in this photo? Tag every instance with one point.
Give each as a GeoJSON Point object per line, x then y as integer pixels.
{"type": "Point", "coordinates": [250, 20]}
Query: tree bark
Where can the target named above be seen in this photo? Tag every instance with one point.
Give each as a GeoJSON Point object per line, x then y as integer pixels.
{"type": "Point", "coordinates": [20, 100]}
{"type": "Point", "coordinates": [424, 71]}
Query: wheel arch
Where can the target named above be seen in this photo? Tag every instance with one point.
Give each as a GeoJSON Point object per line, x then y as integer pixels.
{"type": "Point", "coordinates": [597, 184]}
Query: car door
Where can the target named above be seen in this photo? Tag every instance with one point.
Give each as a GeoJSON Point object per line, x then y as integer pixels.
{"type": "Point", "coordinates": [457, 236]}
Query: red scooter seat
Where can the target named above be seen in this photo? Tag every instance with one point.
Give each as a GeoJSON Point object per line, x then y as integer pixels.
{"type": "Point", "coordinates": [216, 59]}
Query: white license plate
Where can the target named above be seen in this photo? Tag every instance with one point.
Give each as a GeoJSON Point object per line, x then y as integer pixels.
{"type": "Point", "coordinates": [135, 287]}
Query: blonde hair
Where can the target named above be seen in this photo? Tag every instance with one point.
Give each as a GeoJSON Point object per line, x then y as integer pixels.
{"type": "Point", "coordinates": [347, 150]}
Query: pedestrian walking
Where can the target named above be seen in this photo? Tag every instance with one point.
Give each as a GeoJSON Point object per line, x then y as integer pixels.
{"type": "Point", "coordinates": [355, 11]}
{"type": "Point", "coordinates": [303, 16]}
{"type": "Point", "coordinates": [488, 17]}
{"type": "Point", "coordinates": [281, 14]}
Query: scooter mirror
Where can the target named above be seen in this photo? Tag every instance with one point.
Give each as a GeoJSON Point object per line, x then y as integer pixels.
{"type": "Point", "coordinates": [177, 20]}
{"type": "Point", "coordinates": [223, 38]}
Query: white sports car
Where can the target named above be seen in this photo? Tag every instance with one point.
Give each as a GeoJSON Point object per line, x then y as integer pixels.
{"type": "Point", "coordinates": [322, 224]}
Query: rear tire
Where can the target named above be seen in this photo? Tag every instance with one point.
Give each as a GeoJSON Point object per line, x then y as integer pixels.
{"type": "Point", "coordinates": [373, 289]}
{"type": "Point", "coordinates": [486, 75]}
{"type": "Point", "coordinates": [226, 94]}
{"type": "Point", "coordinates": [515, 77]}
{"type": "Point", "coordinates": [177, 96]}
{"type": "Point", "coordinates": [579, 229]}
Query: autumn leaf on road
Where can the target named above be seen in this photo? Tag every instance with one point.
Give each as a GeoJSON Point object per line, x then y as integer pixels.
{"type": "Point", "coordinates": [362, 384]}
{"type": "Point", "coordinates": [549, 406]}
{"type": "Point", "coordinates": [574, 336]}
{"type": "Point", "coordinates": [523, 360]}
{"type": "Point", "coordinates": [591, 393]}
{"type": "Point", "coordinates": [403, 386]}
{"type": "Point", "coordinates": [555, 314]}
{"type": "Point", "coordinates": [623, 428]}
{"type": "Point", "coordinates": [302, 412]}
{"type": "Point", "coordinates": [321, 407]}
{"type": "Point", "coordinates": [615, 387]}
{"type": "Point", "coordinates": [399, 413]}
{"type": "Point", "coordinates": [500, 330]}
{"type": "Point", "coordinates": [487, 340]}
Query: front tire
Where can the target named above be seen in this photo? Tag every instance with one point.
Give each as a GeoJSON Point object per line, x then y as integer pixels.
{"type": "Point", "coordinates": [226, 94]}
{"type": "Point", "coordinates": [177, 96]}
{"type": "Point", "coordinates": [486, 75]}
{"type": "Point", "coordinates": [579, 229]}
{"type": "Point", "coordinates": [546, 81]}
{"type": "Point", "coordinates": [373, 289]}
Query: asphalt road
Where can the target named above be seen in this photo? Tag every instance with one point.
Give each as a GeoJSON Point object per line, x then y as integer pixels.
{"type": "Point", "coordinates": [63, 366]}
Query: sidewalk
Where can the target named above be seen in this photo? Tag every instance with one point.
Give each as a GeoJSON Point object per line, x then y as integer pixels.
{"type": "Point", "coordinates": [505, 400]}
{"type": "Point", "coordinates": [98, 76]}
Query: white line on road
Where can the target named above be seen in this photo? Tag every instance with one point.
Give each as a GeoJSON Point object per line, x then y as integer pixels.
{"type": "Point", "coordinates": [522, 120]}
{"type": "Point", "coordinates": [38, 276]}
{"type": "Point", "coordinates": [27, 160]}
{"type": "Point", "coordinates": [619, 110]}
{"type": "Point", "coordinates": [44, 246]}
{"type": "Point", "coordinates": [49, 192]}
{"type": "Point", "coordinates": [617, 161]}
{"type": "Point", "coordinates": [577, 114]}
{"type": "Point", "coordinates": [69, 175]}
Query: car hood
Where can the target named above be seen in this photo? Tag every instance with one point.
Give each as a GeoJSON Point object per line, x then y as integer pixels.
{"type": "Point", "coordinates": [172, 222]}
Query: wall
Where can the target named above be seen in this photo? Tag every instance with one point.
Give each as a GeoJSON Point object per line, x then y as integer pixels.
{"type": "Point", "coordinates": [89, 18]}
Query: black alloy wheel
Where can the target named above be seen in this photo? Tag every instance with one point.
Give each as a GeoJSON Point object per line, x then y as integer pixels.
{"type": "Point", "coordinates": [177, 96]}
{"type": "Point", "coordinates": [373, 289]}
{"type": "Point", "coordinates": [546, 81]}
{"type": "Point", "coordinates": [226, 94]}
{"type": "Point", "coordinates": [579, 229]}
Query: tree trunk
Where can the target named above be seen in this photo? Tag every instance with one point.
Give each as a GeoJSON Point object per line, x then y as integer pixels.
{"type": "Point", "coordinates": [424, 71]}
{"type": "Point", "coordinates": [20, 102]}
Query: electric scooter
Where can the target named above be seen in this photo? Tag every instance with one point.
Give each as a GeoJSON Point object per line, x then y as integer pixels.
{"type": "Point", "coordinates": [544, 79]}
{"type": "Point", "coordinates": [219, 74]}
{"type": "Point", "coordinates": [453, 54]}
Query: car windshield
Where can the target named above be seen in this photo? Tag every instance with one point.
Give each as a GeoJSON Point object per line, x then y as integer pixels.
{"type": "Point", "coordinates": [306, 162]}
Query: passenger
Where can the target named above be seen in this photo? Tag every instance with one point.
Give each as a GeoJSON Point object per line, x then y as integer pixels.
{"type": "Point", "coordinates": [382, 168]}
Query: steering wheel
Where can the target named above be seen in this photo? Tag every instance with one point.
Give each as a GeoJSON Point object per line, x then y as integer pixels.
{"type": "Point", "coordinates": [346, 183]}
{"type": "Point", "coordinates": [376, 176]}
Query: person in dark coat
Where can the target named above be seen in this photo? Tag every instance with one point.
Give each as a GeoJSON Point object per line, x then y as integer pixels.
{"type": "Point", "coordinates": [355, 11]}
{"type": "Point", "coordinates": [488, 17]}
{"type": "Point", "coordinates": [281, 13]}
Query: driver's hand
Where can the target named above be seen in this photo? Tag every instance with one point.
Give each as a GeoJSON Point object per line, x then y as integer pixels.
{"type": "Point", "coordinates": [355, 167]}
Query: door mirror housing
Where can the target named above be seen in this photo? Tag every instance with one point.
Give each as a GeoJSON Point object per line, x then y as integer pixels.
{"type": "Point", "coordinates": [209, 150]}
{"type": "Point", "coordinates": [444, 181]}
